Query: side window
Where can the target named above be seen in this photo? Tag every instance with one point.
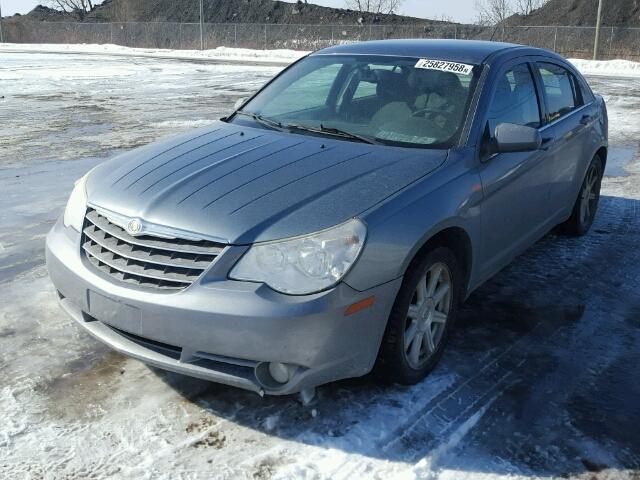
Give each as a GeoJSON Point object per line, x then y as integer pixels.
{"type": "Point", "coordinates": [365, 89]}
{"type": "Point", "coordinates": [559, 87]}
{"type": "Point", "coordinates": [362, 82]}
{"type": "Point", "coordinates": [587, 95]}
{"type": "Point", "coordinates": [515, 100]}
{"type": "Point", "coordinates": [309, 91]}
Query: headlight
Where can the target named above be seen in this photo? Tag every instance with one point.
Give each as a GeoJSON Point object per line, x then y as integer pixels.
{"type": "Point", "coordinates": [77, 205]}
{"type": "Point", "coordinates": [303, 265]}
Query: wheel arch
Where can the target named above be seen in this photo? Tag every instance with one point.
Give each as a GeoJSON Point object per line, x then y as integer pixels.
{"type": "Point", "coordinates": [602, 153]}
{"type": "Point", "coordinates": [458, 241]}
{"type": "Point", "coordinates": [454, 238]}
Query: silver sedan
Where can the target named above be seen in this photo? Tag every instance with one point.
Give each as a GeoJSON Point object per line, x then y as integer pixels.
{"type": "Point", "coordinates": [333, 224]}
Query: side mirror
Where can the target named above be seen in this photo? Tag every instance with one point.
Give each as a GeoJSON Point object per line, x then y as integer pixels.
{"type": "Point", "coordinates": [239, 103]}
{"type": "Point", "coordinates": [510, 137]}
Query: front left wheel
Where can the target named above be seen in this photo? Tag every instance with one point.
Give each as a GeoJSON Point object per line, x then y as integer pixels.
{"type": "Point", "coordinates": [421, 319]}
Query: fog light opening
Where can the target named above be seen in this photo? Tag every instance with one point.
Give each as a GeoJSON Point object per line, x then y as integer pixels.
{"type": "Point", "coordinates": [274, 374]}
{"type": "Point", "coordinates": [279, 372]}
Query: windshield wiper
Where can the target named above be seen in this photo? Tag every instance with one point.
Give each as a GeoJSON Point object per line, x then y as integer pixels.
{"type": "Point", "coordinates": [335, 132]}
{"type": "Point", "coordinates": [268, 122]}
{"type": "Point", "coordinates": [276, 125]}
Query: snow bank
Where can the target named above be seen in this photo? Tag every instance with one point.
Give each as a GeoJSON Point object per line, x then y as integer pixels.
{"type": "Point", "coordinates": [278, 57]}
{"type": "Point", "coordinates": [618, 68]}
{"type": "Point", "coordinates": [270, 57]}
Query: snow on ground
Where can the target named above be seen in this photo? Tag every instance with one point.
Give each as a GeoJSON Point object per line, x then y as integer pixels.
{"type": "Point", "coordinates": [540, 380]}
{"type": "Point", "coordinates": [226, 54]}
{"type": "Point", "coordinates": [621, 68]}
{"type": "Point", "coordinates": [109, 103]}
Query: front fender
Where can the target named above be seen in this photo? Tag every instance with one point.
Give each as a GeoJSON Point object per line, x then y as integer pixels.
{"type": "Point", "coordinates": [397, 229]}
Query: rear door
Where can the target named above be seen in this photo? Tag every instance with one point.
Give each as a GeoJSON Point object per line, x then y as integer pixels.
{"type": "Point", "coordinates": [568, 118]}
{"type": "Point", "coordinates": [515, 185]}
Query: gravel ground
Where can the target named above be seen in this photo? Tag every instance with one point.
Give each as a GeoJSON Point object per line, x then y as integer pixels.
{"type": "Point", "coordinates": [540, 380]}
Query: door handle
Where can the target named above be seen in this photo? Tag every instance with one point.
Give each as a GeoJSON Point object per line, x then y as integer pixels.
{"type": "Point", "coordinates": [546, 143]}
{"type": "Point", "coordinates": [586, 119]}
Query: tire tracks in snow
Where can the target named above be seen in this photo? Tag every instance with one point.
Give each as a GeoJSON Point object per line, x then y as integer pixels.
{"type": "Point", "coordinates": [440, 420]}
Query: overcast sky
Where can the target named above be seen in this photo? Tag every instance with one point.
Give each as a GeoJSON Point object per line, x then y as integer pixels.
{"type": "Point", "coordinates": [459, 10]}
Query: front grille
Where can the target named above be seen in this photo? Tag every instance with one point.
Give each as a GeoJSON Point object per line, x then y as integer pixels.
{"type": "Point", "coordinates": [146, 260]}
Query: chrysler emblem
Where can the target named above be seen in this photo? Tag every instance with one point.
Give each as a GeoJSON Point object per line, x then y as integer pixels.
{"type": "Point", "coordinates": [134, 227]}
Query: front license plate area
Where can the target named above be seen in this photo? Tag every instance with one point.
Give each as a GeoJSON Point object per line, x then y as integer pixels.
{"type": "Point", "coordinates": [114, 313]}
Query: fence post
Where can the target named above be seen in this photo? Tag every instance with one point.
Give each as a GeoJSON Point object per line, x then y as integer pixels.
{"type": "Point", "coordinates": [201, 24]}
{"type": "Point", "coordinates": [235, 34]}
{"type": "Point", "coordinates": [611, 42]}
{"type": "Point", "coordinates": [265, 36]}
{"type": "Point", "coordinates": [332, 41]}
{"type": "Point", "coordinates": [598, 18]}
{"type": "Point", "coordinates": [555, 39]}
{"type": "Point", "coordinates": [1, 35]}
{"type": "Point", "coordinates": [455, 31]}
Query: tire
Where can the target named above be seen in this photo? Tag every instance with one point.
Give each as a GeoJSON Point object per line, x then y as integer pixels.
{"type": "Point", "coordinates": [586, 206]}
{"type": "Point", "coordinates": [397, 362]}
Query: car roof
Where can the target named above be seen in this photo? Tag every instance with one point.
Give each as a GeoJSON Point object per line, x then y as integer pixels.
{"type": "Point", "coordinates": [464, 51]}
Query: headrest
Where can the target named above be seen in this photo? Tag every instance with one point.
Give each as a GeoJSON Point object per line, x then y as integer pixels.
{"type": "Point", "coordinates": [392, 86]}
{"type": "Point", "coordinates": [504, 97]}
{"type": "Point", "coordinates": [427, 81]}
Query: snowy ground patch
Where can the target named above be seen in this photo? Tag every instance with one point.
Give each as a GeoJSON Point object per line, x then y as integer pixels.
{"type": "Point", "coordinates": [220, 54]}
{"type": "Point", "coordinates": [613, 68]}
{"type": "Point", "coordinates": [619, 68]}
{"type": "Point", "coordinates": [539, 382]}
{"type": "Point", "coordinates": [107, 104]}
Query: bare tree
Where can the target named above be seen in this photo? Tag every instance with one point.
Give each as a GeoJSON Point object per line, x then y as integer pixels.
{"type": "Point", "coordinates": [493, 12]}
{"type": "Point", "coordinates": [374, 6]}
{"type": "Point", "coordinates": [444, 18]}
{"type": "Point", "coordinates": [76, 7]}
{"type": "Point", "coordinates": [123, 11]}
{"type": "Point", "coordinates": [526, 7]}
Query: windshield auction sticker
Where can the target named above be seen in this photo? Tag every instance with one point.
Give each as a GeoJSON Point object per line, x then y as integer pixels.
{"type": "Point", "coordinates": [443, 66]}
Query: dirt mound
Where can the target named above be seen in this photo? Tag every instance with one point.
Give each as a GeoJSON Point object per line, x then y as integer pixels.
{"type": "Point", "coordinates": [615, 13]}
{"type": "Point", "coordinates": [223, 11]}
{"type": "Point", "coordinates": [43, 14]}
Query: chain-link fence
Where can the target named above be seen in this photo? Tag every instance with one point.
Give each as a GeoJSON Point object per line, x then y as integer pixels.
{"type": "Point", "coordinates": [572, 42]}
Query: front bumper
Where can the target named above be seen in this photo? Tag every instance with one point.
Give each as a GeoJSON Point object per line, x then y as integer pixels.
{"type": "Point", "coordinates": [223, 330]}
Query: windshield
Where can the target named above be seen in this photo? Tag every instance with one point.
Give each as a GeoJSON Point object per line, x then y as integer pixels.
{"type": "Point", "coordinates": [390, 100]}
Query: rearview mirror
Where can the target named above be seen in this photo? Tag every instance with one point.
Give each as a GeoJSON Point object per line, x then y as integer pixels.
{"type": "Point", "coordinates": [510, 137]}
{"type": "Point", "coordinates": [239, 103]}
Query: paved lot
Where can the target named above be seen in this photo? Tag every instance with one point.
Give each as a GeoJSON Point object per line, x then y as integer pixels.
{"type": "Point", "coordinates": [541, 379]}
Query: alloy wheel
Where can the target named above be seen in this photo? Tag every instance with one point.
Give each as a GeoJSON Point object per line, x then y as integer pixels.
{"type": "Point", "coordinates": [427, 315]}
{"type": "Point", "coordinates": [589, 197]}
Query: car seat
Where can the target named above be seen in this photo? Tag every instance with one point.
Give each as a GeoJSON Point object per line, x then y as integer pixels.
{"type": "Point", "coordinates": [395, 97]}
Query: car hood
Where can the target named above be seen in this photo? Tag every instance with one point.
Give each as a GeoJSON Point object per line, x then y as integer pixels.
{"type": "Point", "coordinates": [241, 185]}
